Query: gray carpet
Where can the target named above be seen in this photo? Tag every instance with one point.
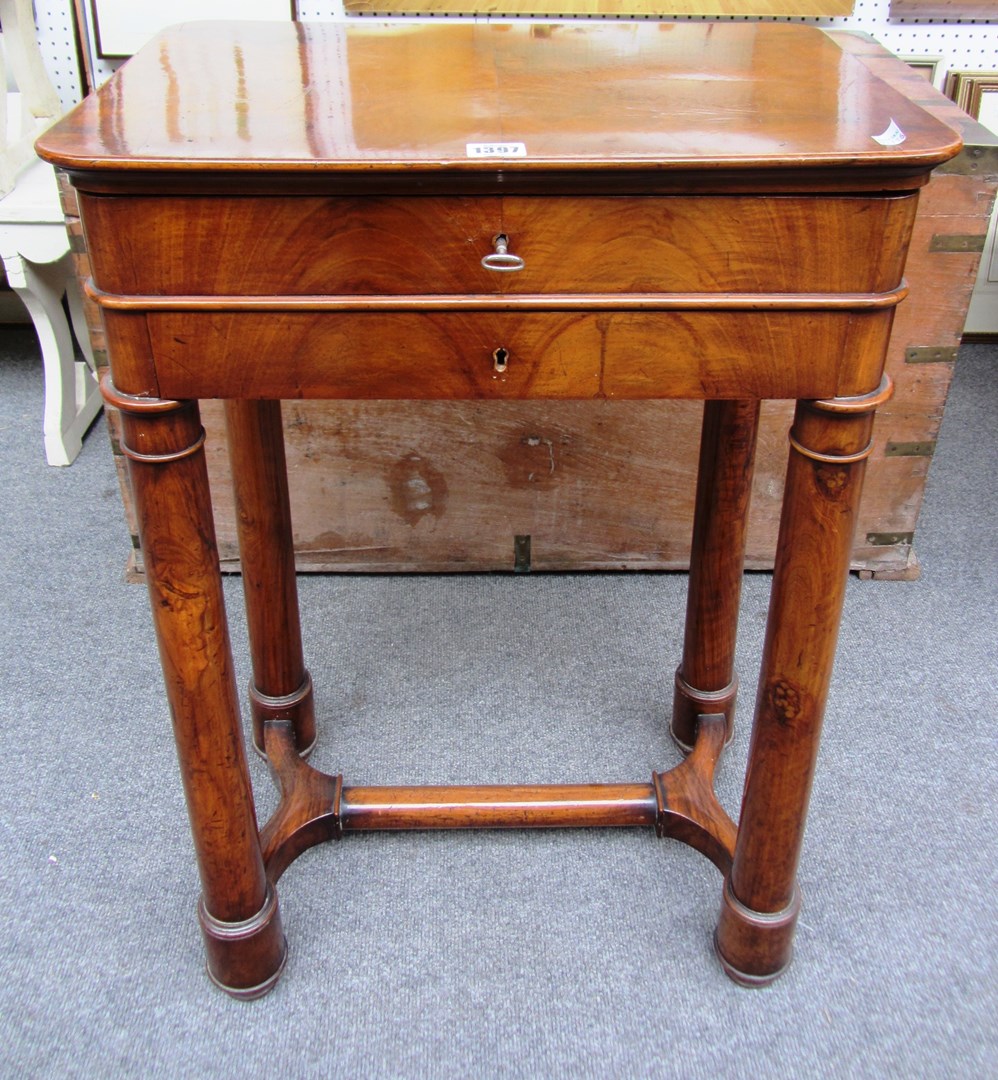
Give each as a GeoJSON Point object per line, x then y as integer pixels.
{"type": "Point", "coordinates": [573, 954]}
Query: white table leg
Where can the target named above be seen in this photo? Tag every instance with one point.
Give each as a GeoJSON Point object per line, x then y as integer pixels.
{"type": "Point", "coordinates": [72, 398]}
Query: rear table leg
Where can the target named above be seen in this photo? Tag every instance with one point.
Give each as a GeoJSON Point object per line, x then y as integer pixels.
{"type": "Point", "coordinates": [705, 681]}
{"type": "Point", "coordinates": [282, 688]}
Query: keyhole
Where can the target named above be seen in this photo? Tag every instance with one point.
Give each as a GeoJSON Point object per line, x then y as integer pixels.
{"type": "Point", "coordinates": [500, 358]}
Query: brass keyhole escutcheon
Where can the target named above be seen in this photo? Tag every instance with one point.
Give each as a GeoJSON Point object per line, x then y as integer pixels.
{"type": "Point", "coordinates": [500, 359]}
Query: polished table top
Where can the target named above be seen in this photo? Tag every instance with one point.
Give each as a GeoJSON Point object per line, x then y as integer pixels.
{"type": "Point", "coordinates": [367, 96]}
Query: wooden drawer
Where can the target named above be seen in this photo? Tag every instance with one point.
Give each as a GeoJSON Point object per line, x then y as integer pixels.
{"type": "Point", "coordinates": [449, 355]}
{"type": "Point", "coordinates": [313, 245]}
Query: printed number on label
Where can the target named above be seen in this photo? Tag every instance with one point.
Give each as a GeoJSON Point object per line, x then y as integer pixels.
{"type": "Point", "coordinates": [497, 149]}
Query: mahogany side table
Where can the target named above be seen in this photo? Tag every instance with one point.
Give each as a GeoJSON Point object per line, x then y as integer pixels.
{"type": "Point", "coordinates": [712, 211]}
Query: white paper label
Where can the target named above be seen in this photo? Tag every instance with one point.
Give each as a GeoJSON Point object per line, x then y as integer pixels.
{"type": "Point", "coordinates": [892, 136]}
{"type": "Point", "coordinates": [497, 149]}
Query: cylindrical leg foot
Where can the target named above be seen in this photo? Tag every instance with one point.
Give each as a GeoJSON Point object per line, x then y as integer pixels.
{"type": "Point", "coordinates": [755, 947]}
{"type": "Point", "coordinates": [297, 708]}
{"type": "Point", "coordinates": [245, 959]}
{"type": "Point", "coordinates": [688, 703]}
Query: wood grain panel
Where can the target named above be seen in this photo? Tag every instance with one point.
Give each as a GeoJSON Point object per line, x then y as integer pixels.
{"type": "Point", "coordinates": [568, 355]}
{"type": "Point", "coordinates": [323, 246]}
{"type": "Point", "coordinates": [443, 486]}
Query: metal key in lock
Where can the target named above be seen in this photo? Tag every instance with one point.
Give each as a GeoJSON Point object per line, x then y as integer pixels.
{"type": "Point", "coordinates": [502, 260]}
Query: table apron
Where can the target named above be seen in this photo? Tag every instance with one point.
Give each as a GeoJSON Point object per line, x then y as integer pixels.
{"type": "Point", "coordinates": [402, 246]}
{"type": "Point", "coordinates": [486, 355]}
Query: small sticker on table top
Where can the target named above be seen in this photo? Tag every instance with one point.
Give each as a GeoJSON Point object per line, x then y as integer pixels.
{"type": "Point", "coordinates": [497, 149]}
{"type": "Point", "coordinates": [893, 136]}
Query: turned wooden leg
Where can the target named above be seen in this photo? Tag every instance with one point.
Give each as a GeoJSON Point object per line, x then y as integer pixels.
{"type": "Point", "coordinates": [830, 441]}
{"type": "Point", "coordinates": [705, 680]}
{"type": "Point", "coordinates": [238, 910]}
{"type": "Point", "coordinates": [281, 688]}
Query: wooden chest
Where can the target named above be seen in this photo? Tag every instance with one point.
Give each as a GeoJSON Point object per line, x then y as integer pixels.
{"type": "Point", "coordinates": [395, 486]}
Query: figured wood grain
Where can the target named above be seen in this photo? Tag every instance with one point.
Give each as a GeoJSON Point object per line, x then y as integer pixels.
{"type": "Point", "coordinates": [576, 476]}
{"type": "Point", "coordinates": [818, 517]}
{"type": "Point", "coordinates": [565, 355]}
{"type": "Point", "coordinates": [175, 516]}
{"type": "Point", "coordinates": [830, 444]}
{"type": "Point", "coordinates": [253, 246]}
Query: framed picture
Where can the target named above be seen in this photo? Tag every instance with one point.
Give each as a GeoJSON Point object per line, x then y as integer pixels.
{"type": "Point", "coordinates": [947, 10]}
{"type": "Point", "coordinates": [926, 66]}
{"type": "Point", "coordinates": [976, 92]}
{"type": "Point", "coordinates": [122, 27]}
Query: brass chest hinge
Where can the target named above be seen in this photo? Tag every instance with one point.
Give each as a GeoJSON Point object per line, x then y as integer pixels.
{"type": "Point", "coordinates": [521, 554]}
{"type": "Point", "coordinates": [923, 448]}
{"type": "Point", "coordinates": [957, 243]}
{"type": "Point", "coordinates": [930, 354]}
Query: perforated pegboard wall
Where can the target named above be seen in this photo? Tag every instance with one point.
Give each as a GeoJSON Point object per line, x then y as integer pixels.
{"type": "Point", "coordinates": [57, 38]}
{"type": "Point", "coordinates": [961, 46]}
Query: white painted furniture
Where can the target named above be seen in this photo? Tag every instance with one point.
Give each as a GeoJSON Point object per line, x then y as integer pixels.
{"type": "Point", "coordinates": [34, 244]}
{"type": "Point", "coordinates": [982, 318]}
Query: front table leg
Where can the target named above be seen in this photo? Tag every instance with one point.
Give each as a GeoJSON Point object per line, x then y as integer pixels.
{"type": "Point", "coordinates": [830, 441]}
{"type": "Point", "coordinates": [238, 909]}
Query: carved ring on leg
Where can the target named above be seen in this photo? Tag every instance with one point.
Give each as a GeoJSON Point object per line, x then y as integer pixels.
{"type": "Point", "coordinates": [297, 708]}
{"type": "Point", "coordinates": [690, 702]}
{"type": "Point", "coordinates": [759, 939]}
{"type": "Point", "coordinates": [236, 948]}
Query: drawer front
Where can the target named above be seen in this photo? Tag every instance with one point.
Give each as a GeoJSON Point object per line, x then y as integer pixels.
{"type": "Point", "coordinates": [310, 245]}
{"type": "Point", "coordinates": [558, 355]}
